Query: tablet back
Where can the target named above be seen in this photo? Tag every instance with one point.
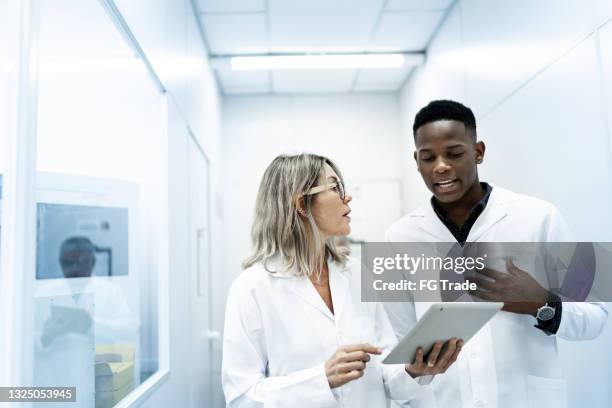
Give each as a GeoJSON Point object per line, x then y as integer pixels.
{"type": "Point", "coordinates": [442, 321]}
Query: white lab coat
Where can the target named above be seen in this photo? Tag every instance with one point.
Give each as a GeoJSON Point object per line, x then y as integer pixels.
{"type": "Point", "coordinates": [112, 318]}
{"type": "Point", "coordinates": [509, 363]}
{"type": "Point", "coordinates": [279, 333]}
{"type": "Point", "coordinates": [70, 358]}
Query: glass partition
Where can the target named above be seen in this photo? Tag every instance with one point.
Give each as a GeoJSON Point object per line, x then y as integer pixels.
{"type": "Point", "coordinates": [6, 66]}
{"type": "Point", "coordinates": [100, 167]}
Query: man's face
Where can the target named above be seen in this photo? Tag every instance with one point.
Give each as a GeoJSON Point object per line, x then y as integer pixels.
{"type": "Point", "coordinates": [77, 262]}
{"type": "Point", "coordinates": [446, 156]}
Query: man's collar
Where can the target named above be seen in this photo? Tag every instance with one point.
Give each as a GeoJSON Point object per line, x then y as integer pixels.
{"type": "Point", "coordinates": [480, 205]}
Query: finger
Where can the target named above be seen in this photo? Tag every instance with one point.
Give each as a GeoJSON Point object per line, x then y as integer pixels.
{"type": "Point", "coordinates": [454, 356]}
{"type": "Point", "coordinates": [418, 358]}
{"type": "Point", "coordinates": [485, 295]}
{"type": "Point", "coordinates": [484, 283]}
{"type": "Point", "coordinates": [434, 353]}
{"type": "Point", "coordinates": [352, 366]}
{"type": "Point", "coordinates": [351, 375]}
{"type": "Point", "coordinates": [512, 269]}
{"type": "Point", "coordinates": [355, 356]}
{"type": "Point", "coordinates": [449, 350]}
{"type": "Point", "coordinates": [367, 347]}
{"type": "Point", "coordinates": [493, 274]}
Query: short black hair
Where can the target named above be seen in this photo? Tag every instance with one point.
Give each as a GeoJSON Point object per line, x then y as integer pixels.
{"type": "Point", "coordinates": [445, 109]}
{"type": "Point", "coordinates": [81, 244]}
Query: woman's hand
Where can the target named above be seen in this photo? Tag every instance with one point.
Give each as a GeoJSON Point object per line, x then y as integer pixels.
{"type": "Point", "coordinates": [436, 363]}
{"type": "Point", "coordinates": [347, 363]}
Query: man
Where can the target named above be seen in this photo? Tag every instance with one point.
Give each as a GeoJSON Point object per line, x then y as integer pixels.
{"type": "Point", "coordinates": [111, 315]}
{"type": "Point", "coordinates": [512, 362]}
{"type": "Point", "coordinates": [74, 316]}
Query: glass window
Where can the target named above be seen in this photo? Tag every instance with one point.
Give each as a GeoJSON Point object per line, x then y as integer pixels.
{"type": "Point", "coordinates": [100, 172]}
{"type": "Point", "coordinates": [6, 67]}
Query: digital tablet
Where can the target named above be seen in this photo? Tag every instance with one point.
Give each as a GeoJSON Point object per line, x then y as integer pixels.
{"type": "Point", "coordinates": [442, 321]}
{"type": "Point", "coordinates": [78, 320]}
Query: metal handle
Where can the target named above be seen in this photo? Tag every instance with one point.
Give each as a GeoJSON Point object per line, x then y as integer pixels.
{"type": "Point", "coordinates": [212, 335]}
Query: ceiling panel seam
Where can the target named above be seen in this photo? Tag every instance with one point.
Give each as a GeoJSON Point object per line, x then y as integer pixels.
{"type": "Point", "coordinates": [416, 10]}
{"type": "Point", "coordinates": [270, 75]}
{"type": "Point", "coordinates": [231, 13]}
{"type": "Point", "coordinates": [377, 22]}
{"type": "Point", "coordinates": [435, 32]}
{"type": "Point", "coordinates": [355, 80]}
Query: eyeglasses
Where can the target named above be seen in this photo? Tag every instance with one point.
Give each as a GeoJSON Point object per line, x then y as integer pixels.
{"type": "Point", "coordinates": [337, 186]}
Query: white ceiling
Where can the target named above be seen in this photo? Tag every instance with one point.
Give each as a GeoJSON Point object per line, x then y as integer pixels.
{"type": "Point", "coordinates": [234, 27]}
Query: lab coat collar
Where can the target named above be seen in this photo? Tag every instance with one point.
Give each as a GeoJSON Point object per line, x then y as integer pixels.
{"type": "Point", "coordinates": [339, 284]}
{"type": "Point", "coordinates": [431, 224]}
{"type": "Point", "coordinates": [495, 210]}
{"type": "Point", "coordinates": [339, 287]}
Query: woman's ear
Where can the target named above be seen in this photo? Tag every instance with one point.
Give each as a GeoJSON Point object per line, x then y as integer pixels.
{"type": "Point", "coordinates": [299, 205]}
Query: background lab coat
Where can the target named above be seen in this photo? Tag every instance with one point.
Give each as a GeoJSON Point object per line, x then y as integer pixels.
{"type": "Point", "coordinates": [509, 363]}
{"type": "Point", "coordinates": [279, 333]}
{"type": "Point", "coordinates": [69, 359]}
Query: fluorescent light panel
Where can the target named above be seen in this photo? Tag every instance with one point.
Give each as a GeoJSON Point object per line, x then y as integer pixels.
{"type": "Point", "coordinates": [308, 62]}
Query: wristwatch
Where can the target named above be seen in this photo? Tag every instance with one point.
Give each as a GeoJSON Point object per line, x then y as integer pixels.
{"type": "Point", "coordinates": [545, 313]}
{"type": "Point", "coordinates": [549, 315]}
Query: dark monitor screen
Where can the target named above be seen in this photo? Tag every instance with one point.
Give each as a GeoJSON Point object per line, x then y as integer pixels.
{"type": "Point", "coordinates": [81, 241]}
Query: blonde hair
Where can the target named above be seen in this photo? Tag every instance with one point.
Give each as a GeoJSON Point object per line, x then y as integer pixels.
{"type": "Point", "coordinates": [278, 230]}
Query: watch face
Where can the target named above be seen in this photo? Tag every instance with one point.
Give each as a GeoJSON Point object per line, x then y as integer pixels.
{"type": "Point", "coordinates": [546, 313]}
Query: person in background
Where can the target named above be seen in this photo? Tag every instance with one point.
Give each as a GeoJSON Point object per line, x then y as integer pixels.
{"type": "Point", "coordinates": [112, 318]}
{"type": "Point", "coordinates": [296, 333]}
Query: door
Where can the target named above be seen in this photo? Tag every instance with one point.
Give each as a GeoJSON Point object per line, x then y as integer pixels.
{"type": "Point", "coordinates": [204, 389]}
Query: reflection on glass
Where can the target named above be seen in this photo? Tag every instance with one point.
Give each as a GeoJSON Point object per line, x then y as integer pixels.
{"type": "Point", "coordinates": [77, 257]}
{"type": "Point", "coordinates": [0, 200]}
{"type": "Point", "coordinates": [64, 338]}
{"type": "Point", "coordinates": [99, 203]}
{"type": "Point", "coordinates": [89, 309]}
{"type": "Point", "coordinates": [104, 229]}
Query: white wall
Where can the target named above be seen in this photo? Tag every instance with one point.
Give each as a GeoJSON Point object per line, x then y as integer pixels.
{"type": "Point", "coordinates": [360, 133]}
{"type": "Point", "coordinates": [538, 76]}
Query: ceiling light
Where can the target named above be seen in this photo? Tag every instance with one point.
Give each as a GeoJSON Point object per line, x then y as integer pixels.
{"type": "Point", "coordinates": [333, 61]}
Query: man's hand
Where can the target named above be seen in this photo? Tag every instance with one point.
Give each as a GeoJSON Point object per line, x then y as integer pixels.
{"type": "Point", "coordinates": [58, 325]}
{"type": "Point", "coordinates": [519, 291]}
{"type": "Point", "coordinates": [438, 359]}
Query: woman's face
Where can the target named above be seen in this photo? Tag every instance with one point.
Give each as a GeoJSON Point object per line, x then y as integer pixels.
{"type": "Point", "coordinates": [328, 210]}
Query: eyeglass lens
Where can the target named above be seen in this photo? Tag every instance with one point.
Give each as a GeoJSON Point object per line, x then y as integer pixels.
{"type": "Point", "coordinates": [341, 190]}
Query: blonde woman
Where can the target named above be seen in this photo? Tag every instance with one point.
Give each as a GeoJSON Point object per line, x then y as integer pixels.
{"type": "Point", "coordinates": [296, 333]}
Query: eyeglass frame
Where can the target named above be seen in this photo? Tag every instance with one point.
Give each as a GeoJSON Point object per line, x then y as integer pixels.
{"type": "Point", "coordinates": [327, 187]}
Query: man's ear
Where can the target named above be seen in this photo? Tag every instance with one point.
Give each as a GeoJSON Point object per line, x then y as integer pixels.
{"type": "Point", "coordinates": [416, 160]}
{"type": "Point", "coordinates": [480, 151]}
{"type": "Point", "coordinates": [299, 205]}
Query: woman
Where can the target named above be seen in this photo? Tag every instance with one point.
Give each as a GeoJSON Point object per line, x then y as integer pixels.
{"type": "Point", "coordinates": [296, 333]}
